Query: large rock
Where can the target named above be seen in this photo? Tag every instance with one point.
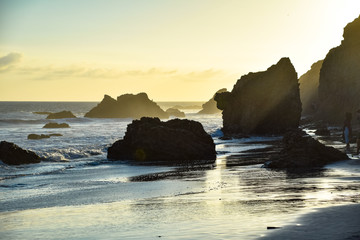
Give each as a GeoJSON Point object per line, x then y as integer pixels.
{"type": "Point", "coordinates": [263, 102]}
{"type": "Point", "coordinates": [12, 154]}
{"type": "Point", "coordinates": [175, 112]}
{"type": "Point", "coordinates": [127, 106]}
{"type": "Point", "coordinates": [339, 84]}
{"type": "Point", "coordinates": [309, 84]}
{"type": "Point", "coordinates": [63, 114]}
{"type": "Point", "coordinates": [210, 106]}
{"type": "Point", "coordinates": [174, 141]}
{"type": "Point", "coordinates": [302, 151]}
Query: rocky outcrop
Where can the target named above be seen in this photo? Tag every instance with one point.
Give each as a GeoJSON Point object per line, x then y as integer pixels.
{"type": "Point", "coordinates": [175, 112]}
{"type": "Point", "coordinates": [42, 136]}
{"type": "Point", "coordinates": [263, 102]}
{"type": "Point", "coordinates": [56, 125]}
{"type": "Point", "coordinates": [176, 141]}
{"type": "Point", "coordinates": [309, 84]}
{"type": "Point", "coordinates": [127, 106]}
{"type": "Point", "coordinates": [339, 84]}
{"type": "Point", "coordinates": [12, 154]}
{"type": "Point", "coordinates": [302, 151]}
{"type": "Point", "coordinates": [210, 106]}
{"type": "Point", "coordinates": [63, 114]}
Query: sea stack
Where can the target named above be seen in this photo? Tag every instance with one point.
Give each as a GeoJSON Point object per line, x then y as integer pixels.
{"type": "Point", "coordinates": [177, 141]}
{"type": "Point", "coordinates": [210, 106]}
{"type": "Point", "coordinates": [62, 114]}
{"type": "Point", "coordinates": [309, 84]}
{"type": "Point", "coordinates": [339, 84]}
{"type": "Point", "coordinates": [262, 103]}
{"type": "Point", "coordinates": [127, 106]}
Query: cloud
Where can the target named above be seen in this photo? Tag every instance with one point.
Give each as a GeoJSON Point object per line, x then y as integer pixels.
{"type": "Point", "coordinates": [6, 62]}
{"type": "Point", "coordinates": [51, 72]}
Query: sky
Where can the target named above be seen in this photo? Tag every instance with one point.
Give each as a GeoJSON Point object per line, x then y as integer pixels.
{"type": "Point", "coordinates": [174, 50]}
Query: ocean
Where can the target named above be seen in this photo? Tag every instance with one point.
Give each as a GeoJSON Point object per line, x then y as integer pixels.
{"type": "Point", "coordinates": [76, 193]}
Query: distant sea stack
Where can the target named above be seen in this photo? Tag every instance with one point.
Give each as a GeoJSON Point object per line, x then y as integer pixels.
{"type": "Point", "coordinates": [262, 103]}
{"type": "Point", "coordinates": [210, 106]}
{"type": "Point", "coordinates": [59, 115]}
{"type": "Point", "coordinates": [309, 84]}
{"type": "Point", "coordinates": [127, 106]}
{"type": "Point", "coordinates": [179, 141]}
{"type": "Point", "coordinates": [175, 112]}
{"type": "Point", "coordinates": [339, 84]}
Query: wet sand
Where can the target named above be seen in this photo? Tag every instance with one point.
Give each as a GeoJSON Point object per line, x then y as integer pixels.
{"type": "Point", "coordinates": [332, 223]}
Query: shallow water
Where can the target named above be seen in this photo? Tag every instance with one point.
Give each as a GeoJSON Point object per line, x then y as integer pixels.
{"type": "Point", "coordinates": [78, 194]}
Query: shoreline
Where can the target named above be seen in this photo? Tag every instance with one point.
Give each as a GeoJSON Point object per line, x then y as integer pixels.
{"type": "Point", "coordinates": [330, 223]}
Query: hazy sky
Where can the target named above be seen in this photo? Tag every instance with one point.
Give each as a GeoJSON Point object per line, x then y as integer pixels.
{"type": "Point", "coordinates": [172, 49]}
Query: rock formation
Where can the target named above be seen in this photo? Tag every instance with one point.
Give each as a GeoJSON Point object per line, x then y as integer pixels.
{"type": "Point", "coordinates": [339, 84]}
{"type": "Point", "coordinates": [175, 112]}
{"type": "Point", "coordinates": [302, 151]}
{"type": "Point", "coordinates": [42, 136]}
{"type": "Point", "coordinates": [309, 84]}
{"type": "Point", "coordinates": [37, 137]}
{"type": "Point", "coordinates": [63, 114]}
{"type": "Point", "coordinates": [263, 102]}
{"type": "Point", "coordinates": [12, 154]}
{"type": "Point", "coordinates": [56, 125]}
{"type": "Point", "coordinates": [210, 106]}
{"type": "Point", "coordinates": [174, 141]}
{"type": "Point", "coordinates": [127, 106]}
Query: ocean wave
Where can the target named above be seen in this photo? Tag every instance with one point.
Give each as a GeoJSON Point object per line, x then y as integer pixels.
{"type": "Point", "coordinates": [217, 133]}
{"type": "Point", "coordinates": [60, 155]}
{"type": "Point", "coordinates": [22, 121]}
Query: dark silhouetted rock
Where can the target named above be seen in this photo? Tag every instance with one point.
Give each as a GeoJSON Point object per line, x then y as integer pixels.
{"type": "Point", "coordinates": [175, 112]}
{"type": "Point", "coordinates": [322, 132]}
{"type": "Point", "coordinates": [339, 84]}
{"type": "Point", "coordinates": [174, 141]}
{"type": "Point", "coordinates": [12, 154]}
{"type": "Point", "coordinates": [127, 106]}
{"type": "Point", "coordinates": [56, 125]}
{"type": "Point", "coordinates": [263, 102]}
{"type": "Point", "coordinates": [302, 151]}
{"type": "Point", "coordinates": [210, 106]}
{"type": "Point", "coordinates": [63, 114]}
{"type": "Point", "coordinates": [42, 113]}
{"type": "Point", "coordinates": [309, 84]}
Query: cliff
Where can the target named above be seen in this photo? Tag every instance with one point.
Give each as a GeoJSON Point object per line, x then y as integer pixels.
{"type": "Point", "coordinates": [309, 84]}
{"type": "Point", "coordinates": [339, 83]}
{"type": "Point", "coordinates": [263, 102]}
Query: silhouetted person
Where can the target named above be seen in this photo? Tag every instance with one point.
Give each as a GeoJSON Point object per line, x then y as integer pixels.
{"type": "Point", "coordinates": [347, 131]}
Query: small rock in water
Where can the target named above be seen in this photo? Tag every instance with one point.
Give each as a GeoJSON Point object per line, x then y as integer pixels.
{"type": "Point", "coordinates": [12, 154]}
{"type": "Point", "coordinates": [56, 125]}
{"type": "Point", "coordinates": [36, 136]}
{"type": "Point", "coordinates": [270, 228]}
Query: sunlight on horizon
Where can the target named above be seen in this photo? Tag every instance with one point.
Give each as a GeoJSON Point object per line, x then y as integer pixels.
{"type": "Point", "coordinates": [173, 51]}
